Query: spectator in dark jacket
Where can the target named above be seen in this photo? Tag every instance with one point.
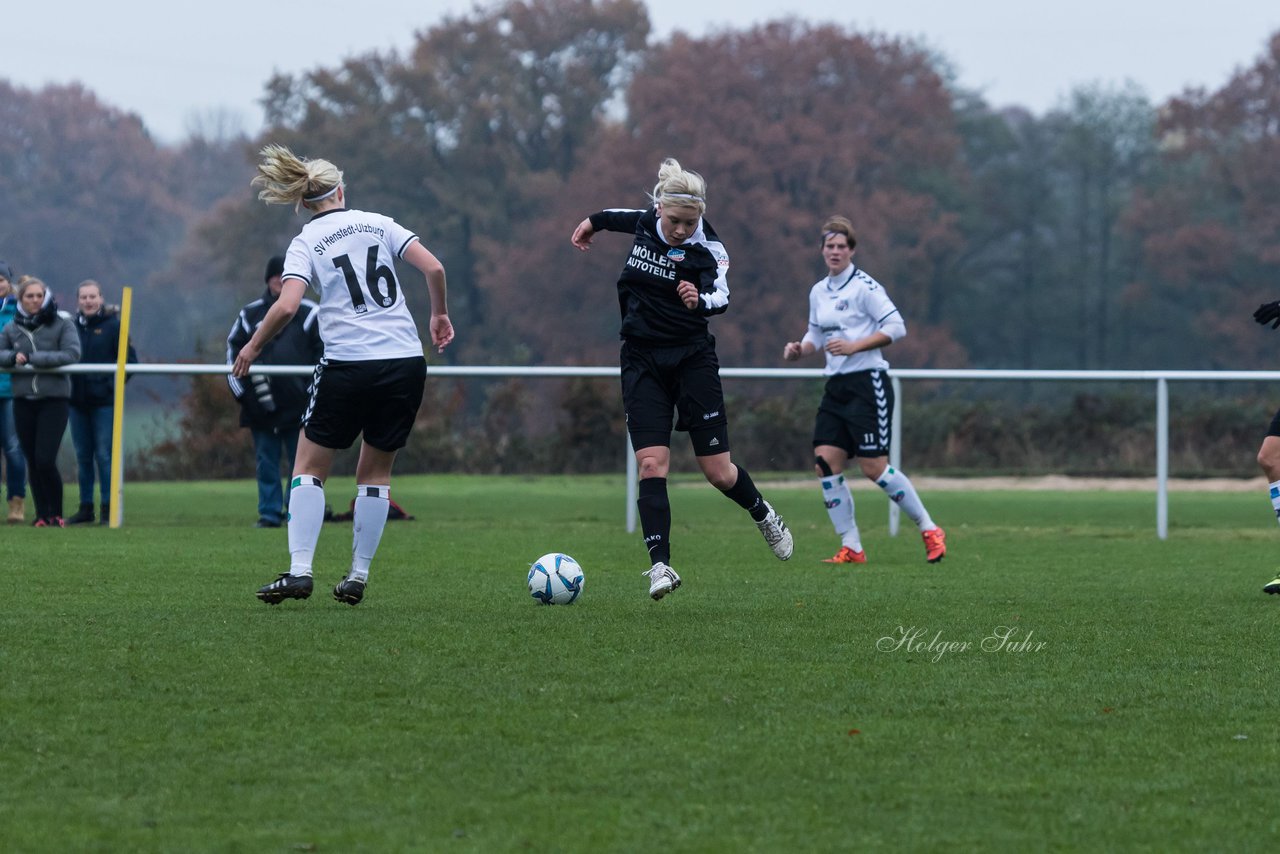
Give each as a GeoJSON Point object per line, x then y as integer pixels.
{"type": "Point", "coordinates": [15, 465]}
{"type": "Point", "coordinates": [93, 398]}
{"type": "Point", "coordinates": [40, 336]}
{"type": "Point", "coordinates": [271, 406]}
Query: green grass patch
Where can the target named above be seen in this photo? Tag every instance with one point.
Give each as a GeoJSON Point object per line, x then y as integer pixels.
{"type": "Point", "coordinates": [150, 702]}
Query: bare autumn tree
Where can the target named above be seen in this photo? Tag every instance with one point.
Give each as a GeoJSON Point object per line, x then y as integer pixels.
{"type": "Point", "coordinates": [1009, 219]}
{"type": "Point", "coordinates": [461, 140]}
{"type": "Point", "coordinates": [85, 191]}
{"type": "Point", "coordinates": [1046, 254]}
{"type": "Point", "coordinates": [1211, 227]}
{"type": "Point", "coordinates": [789, 123]}
{"type": "Point", "coordinates": [1102, 149]}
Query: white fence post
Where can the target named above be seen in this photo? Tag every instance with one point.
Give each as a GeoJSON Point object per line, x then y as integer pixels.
{"type": "Point", "coordinates": [1162, 458]}
{"type": "Point", "coordinates": [633, 486]}
{"type": "Point", "coordinates": [895, 450]}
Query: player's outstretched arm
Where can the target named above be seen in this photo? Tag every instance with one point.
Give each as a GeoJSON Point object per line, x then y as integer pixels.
{"type": "Point", "coordinates": [429, 265]}
{"type": "Point", "coordinates": [277, 318]}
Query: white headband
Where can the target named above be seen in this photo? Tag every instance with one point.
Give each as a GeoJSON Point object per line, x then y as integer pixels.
{"type": "Point", "coordinates": [323, 196]}
{"type": "Point", "coordinates": [684, 196]}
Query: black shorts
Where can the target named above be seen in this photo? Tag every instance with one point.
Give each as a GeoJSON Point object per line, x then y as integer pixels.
{"type": "Point", "coordinates": [1274, 429]}
{"type": "Point", "coordinates": [685, 379]}
{"type": "Point", "coordinates": [379, 398]}
{"type": "Point", "coordinates": [855, 414]}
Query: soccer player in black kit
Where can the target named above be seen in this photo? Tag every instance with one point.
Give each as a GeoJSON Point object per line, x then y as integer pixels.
{"type": "Point", "coordinates": [672, 281]}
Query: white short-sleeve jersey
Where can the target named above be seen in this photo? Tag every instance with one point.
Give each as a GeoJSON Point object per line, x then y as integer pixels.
{"type": "Point", "coordinates": [348, 257]}
{"type": "Point", "coordinates": [851, 305]}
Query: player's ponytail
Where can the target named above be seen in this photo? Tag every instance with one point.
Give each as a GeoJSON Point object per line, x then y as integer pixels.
{"type": "Point", "coordinates": [287, 179]}
{"type": "Point", "coordinates": [680, 188]}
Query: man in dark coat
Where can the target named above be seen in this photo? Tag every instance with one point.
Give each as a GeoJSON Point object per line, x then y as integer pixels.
{"type": "Point", "coordinates": [271, 406]}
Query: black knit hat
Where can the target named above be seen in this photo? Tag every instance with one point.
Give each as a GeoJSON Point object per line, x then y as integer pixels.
{"type": "Point", "coordinates": [6, 271]}
{"type": "Point", "coordinates": [274, 268]}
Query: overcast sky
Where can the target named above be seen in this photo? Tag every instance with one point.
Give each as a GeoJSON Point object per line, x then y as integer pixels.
{"type": "Point", "coordinates": [173, 62]}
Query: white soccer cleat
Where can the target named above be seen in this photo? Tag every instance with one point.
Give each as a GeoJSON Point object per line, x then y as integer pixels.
{"type": "Point", "coordinates": [776, 533]}
{"type": "Point", "coordinates": [662, 580]}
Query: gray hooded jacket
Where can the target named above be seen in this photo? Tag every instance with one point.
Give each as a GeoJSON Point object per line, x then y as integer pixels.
{"type": "Point", "coordinates": [50, 340]}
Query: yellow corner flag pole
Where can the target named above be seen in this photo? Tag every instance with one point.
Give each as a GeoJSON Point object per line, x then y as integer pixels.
{"type": "Point", "coordinates": [117, 421]}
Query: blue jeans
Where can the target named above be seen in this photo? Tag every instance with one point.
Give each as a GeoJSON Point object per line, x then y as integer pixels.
{"type": "Point", "coordinates": [267, 447]}
{"type": "Point", "coordinates": [91, 435]}
{"type": "Point", "coordinates": [15, 464]}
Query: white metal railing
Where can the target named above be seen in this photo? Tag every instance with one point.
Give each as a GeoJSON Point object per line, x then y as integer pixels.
{"type": "Point", "coordinates": [1160, 378]}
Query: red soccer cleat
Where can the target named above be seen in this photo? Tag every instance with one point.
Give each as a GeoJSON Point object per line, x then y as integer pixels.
{"type": "Point", "coordinates": [935, 544]}
{"type": "Point", "coordinates": [847, 555]}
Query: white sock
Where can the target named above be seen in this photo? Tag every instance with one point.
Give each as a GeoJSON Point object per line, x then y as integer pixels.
{"type": "Point", "coordinates": [839, 501]}
{"type": "Point", "coordinates": [306, 517]}
{"type": "Point", "coordinates": [370, 518]}
{"type": "Point", "coordinates": [899, 489]}
{"type": "Point", "coordinates": [1275, 498]}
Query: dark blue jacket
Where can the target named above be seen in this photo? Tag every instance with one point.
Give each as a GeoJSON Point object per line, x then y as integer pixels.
{"type": "Point", "coordinates": [99, 341]}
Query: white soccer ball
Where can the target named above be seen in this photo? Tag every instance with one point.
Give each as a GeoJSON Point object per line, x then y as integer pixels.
{"type": "Point", "coordinates": [555, 579]}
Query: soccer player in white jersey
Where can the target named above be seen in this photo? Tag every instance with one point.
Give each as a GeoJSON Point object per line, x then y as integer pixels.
{"type": "Point", "coordinates": [851, 319]}
{"type": "Point", "coordinates": [674, 279]}
{"type": "Point", "coordinates": [370, 382]}
{"type": "Point", "coordinates": [1269, 453]}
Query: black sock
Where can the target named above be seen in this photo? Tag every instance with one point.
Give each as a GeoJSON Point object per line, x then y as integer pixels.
{"type": "Point", "coordinates": [655, 518]}
{"type": "Point", "coordinates": [746, 495]}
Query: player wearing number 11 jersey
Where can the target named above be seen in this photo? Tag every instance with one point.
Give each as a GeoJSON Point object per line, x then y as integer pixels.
{"type": "Point", "coordinates": [370, 382]}
{"type": "Point", "coordinates": [851, 319]}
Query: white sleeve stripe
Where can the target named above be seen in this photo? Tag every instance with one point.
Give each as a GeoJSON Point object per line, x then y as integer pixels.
{"type": "Point", "coordinates": [312, 313]}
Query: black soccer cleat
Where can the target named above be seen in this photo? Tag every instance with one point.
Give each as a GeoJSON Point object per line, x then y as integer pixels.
{"type": "Point", "coordinates": [286, 586]}
{"type": "Point", "coordinates": [349, 590]}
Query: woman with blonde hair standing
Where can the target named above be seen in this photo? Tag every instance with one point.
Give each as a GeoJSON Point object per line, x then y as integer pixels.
{"type": "Point", "coordinates": [369, 383]}
{"type": "Point", "coordinates": [674, 279]}
{"type": "Point", "coordinates": [40, 336]}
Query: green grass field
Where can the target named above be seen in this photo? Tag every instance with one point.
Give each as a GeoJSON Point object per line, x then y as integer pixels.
{"type": "Point", "coordinates": [150, 702]}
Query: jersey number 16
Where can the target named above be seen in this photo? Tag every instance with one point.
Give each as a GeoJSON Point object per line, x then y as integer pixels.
{"type": "Point", "coordinates": [374, 273]}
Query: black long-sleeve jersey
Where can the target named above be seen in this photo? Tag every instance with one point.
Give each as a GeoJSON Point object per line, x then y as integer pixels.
{"type": "Point", "coordinates": [652, 312]}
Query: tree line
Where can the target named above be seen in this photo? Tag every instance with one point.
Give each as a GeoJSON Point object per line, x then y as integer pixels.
{"type": "Point", "coordinates": [1109, 232]}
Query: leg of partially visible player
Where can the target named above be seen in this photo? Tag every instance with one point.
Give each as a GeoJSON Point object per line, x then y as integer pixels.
{"type": "Point", "coordinates": [1269, 462]}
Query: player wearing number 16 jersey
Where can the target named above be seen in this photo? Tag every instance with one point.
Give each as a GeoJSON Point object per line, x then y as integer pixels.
{"type": "Point", "coordinates": [370, 382]}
